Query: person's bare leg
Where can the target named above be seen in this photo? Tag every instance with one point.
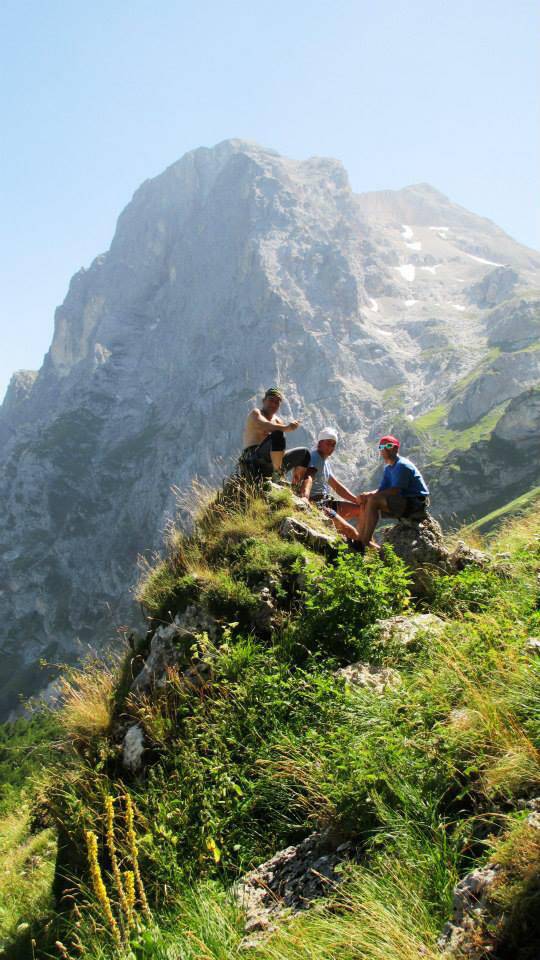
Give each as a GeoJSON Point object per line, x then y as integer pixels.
{"type": "Point", "coordinates": [374, 506]}
{"type": "Point", "coordinates": [362, 523]}
{"type": "Point", "coordinates": [349, 510]}
{"type": "Point", "coordinates": [297, 477]}
{"type": "Point", "coordinates": [277, 459]}
{"type": "Point", "coordinates": [343, 527]}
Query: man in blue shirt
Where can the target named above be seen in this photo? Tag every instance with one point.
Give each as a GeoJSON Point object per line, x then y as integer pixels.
{"type": "Point", "coordinates": [401, 493]}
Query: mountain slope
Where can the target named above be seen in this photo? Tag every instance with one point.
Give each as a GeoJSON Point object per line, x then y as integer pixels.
{"type": "Point", "coordinates": [234, 269]}
{"type": "Point", "coordinates": [294, 725]}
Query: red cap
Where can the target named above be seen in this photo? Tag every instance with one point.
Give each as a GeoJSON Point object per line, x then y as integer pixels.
{"type": "Point", "coordinates": [390, 439]}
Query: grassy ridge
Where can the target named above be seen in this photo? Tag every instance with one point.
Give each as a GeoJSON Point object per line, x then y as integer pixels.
{"type": "Point", "coordinates": [426, 778]}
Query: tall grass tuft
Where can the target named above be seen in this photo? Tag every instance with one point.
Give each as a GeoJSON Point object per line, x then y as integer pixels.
{"type": "Point", "coordinates": [87, 699]}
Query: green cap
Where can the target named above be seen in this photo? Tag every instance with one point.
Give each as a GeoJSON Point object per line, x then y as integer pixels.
{"type": "Point", "coordinates": [274, 392]}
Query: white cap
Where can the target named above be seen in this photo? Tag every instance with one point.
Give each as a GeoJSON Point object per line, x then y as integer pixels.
{"type": "Point", "coordinates": [328, 433]}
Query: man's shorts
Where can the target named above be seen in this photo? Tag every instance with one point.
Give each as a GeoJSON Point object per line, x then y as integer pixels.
{"type": "Point", "coordinates": [327, 502]}
{"type": "Point", "coordinates": [400, 506]}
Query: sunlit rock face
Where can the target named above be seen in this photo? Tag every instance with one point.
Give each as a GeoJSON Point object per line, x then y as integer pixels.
{"type": "Point", "coordinates": [235, 269]}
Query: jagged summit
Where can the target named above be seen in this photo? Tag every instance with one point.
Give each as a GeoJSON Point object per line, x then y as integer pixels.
{"type": "Point", "coordinates": [233, 269]}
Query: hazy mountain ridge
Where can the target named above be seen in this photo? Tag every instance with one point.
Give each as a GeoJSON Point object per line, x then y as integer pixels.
{"type": "Point", "coordinates": [233, 269]}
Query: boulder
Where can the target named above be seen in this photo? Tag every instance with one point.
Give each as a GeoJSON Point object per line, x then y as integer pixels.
{"type": "Point", "coordinates": [466, 935]}
{"type": "Point", "coordinates": [169, 648]}
{"type": "Point", "coordinates": [369, 676]}
{"type": "Point", "coordinates": [420, 544]}
{"type": "Point", "coordinates": [404, 631]}
{"type": "Point", "coordinates": [289, 882]}
{"type": "Point", "coordinates": [133, 748]}
{"type": "Point", "coordinates": [464, 556]}
{"type": "Point", "coordinates": [477, 928]}
{"type": "Point", "coordinates": [293, 529]}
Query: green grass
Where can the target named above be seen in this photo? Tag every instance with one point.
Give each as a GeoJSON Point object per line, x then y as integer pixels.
{"type": "Point", "coordinates": [490, 520]}
{"type": "Point", "coordinates": [26, 872]}
{"type": "Point", "coordinates": [433, 418]}
{"type": "Point", "coordinates": [445, 440]}
{"type": "Point", "coordinates": [273, 745]}
{"type": "Point", "coordinates": [27, 851]}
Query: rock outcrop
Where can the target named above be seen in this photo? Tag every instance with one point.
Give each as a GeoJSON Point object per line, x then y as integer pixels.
{"type": "Point", "coordinates": [478, 928]}
{"type": "Point", "coordinates": [289, 882]}
{"type": "Point", "coordinates": [494, 471]}
{"type": "Point", "coordinates": [421, 546]}
{"type": "Point", "coordinates": [233, 269]}
{"type": "Point", "coordinates": [405, 631]}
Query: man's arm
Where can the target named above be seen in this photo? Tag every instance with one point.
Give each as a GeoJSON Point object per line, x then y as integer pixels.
{"type": "Point", "coordinates": [341, 489]}
{"type": "Point", "coordinates": [275, 426]}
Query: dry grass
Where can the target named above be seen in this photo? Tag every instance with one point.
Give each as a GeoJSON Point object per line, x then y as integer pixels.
{"type": "Point", "coordinates": [87, 699]}
{"type": "Point", "coordinates": [372, 918]}
{"type": "Point", "coordinates": [488, 728]}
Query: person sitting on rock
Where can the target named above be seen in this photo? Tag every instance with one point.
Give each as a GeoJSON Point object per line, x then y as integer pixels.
{"type": "Point", "coordinates": [264, 442]}
{"type": "Point", "coordinates": [320, 479]}
{"type": "Point", "coordinates": [402, 493]}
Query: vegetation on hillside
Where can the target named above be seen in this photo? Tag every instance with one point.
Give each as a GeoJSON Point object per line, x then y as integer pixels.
{"type": "Point", "coordinates": [426, 778]}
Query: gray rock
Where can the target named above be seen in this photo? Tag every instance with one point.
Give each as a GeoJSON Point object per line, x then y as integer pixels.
{"type": "Point", "coordinates": [515, 325]}
{"type": "Point", "coordinates": [133, 748]}
{"type": "Point", "coordinates": [464, 556]}
{"type": "Point", "coordinates": [505, 378]}
{"type": "Point", "coordinates": [493, 471]}
{"type": "Point", "coordinates": [494, 288]}
{"type": "Point", "coordinates": [371, 677]}
{"type": "Point", "coordinates": [405, 631]}
{"type": "Point", "coordinates": [466, 935]}
{"type": "Point", "coordinates": [289, 882]}
{"type": "Point", "coordinates": [293, 529]}
{"type": "Point", "coordinates": [169, 648]}
{"type": "Point", "coordinates": [421, 546]}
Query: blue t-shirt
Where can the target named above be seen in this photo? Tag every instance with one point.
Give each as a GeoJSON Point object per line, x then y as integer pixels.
{"type": "Point", "coordinates": [319, 487]}
{"type": "Point", "coordinates": [404, 475]}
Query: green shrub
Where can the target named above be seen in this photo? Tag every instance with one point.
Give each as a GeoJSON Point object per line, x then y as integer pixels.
{"type": "Point", "coordinates": [470, 590]}
{"type": "Point", "coordinates": [349, 595]}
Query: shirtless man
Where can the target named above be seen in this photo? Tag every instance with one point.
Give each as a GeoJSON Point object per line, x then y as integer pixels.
{"type": "Point", "coordinates": [264, 441]}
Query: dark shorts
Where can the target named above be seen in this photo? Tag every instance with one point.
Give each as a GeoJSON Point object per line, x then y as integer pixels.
{"type": "Point", "coordinates": [331, 503]}
{"type": "Point", "coordinates": [399, 506]}
{"type": "Point", "coordinates": [325, 502]}
{"type": "Point", "coordinates": [258, 459]}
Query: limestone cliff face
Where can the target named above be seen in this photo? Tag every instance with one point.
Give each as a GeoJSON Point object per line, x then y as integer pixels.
{"type": "Point", "coordinates": [495, 470]}
{"type": "Point", "coordinates": [234, 269]}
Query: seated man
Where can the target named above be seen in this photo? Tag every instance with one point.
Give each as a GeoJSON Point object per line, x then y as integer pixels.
{"type": "Point", "coordinates": [264, 442]}
{"type": "Point", "coordinates": [401, 493]}
{"type": "Point", "coordinates": [320, 478]}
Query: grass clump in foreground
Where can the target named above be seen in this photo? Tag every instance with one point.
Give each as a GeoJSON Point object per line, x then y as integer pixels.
{"type": "Point", "coordinates": [273, 745]}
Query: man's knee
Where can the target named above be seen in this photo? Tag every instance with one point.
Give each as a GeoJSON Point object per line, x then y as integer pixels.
{"type": "Point", "coordinates": [278, 440]}
{"type": "Point", "coordinates": [347, 510]}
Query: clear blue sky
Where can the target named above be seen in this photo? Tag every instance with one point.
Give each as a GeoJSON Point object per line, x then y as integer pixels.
{"type": "Point", "coordinates": [98, 96]}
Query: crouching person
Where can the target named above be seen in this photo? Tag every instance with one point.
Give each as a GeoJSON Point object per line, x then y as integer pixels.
{"type": "Point", "coordinates": [264, 453]}
{"type": "Point", "coordinates": [321, 481]}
